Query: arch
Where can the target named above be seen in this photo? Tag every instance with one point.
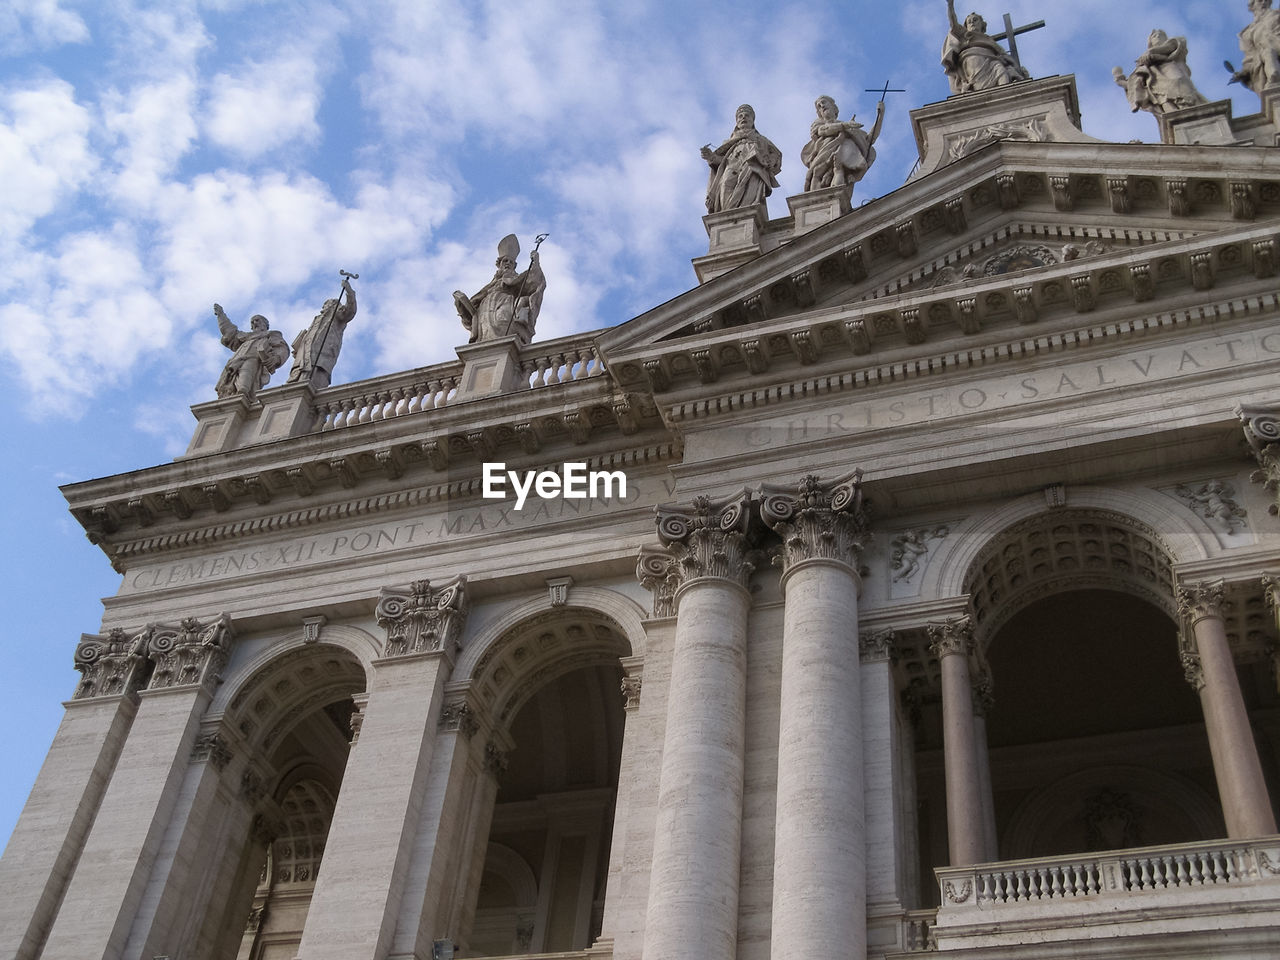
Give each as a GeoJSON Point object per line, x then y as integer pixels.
{"type": "Point", "coordinates": [1183, 538]}
{"type": "Point", "coordinates": [626, 614]}
{"type": "Point", "coordinates": [1046, 805]}
{"type": "Point", "coordinates": [515, 870]}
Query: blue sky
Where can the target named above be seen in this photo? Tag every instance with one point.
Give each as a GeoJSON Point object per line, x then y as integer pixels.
{"type": "Point", "coordinates": [158, 157]}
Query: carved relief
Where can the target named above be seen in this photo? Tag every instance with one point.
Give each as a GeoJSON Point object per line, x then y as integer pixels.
{"type": "Point", "coordinates": [908, 550]}
{"type": "Point", "coordinates": [877, 647]}
{"type": "Point", "coordinates": [820, 521]}
{"type": "Point", "coordinates": [1023, 256]}
{"type": "Point", "coordinates": [1262, 431]}
{"type": "Point", "coordinates": [495, 760]}
{"type": "Point", "coordinates": [1112, 821]}
{"type": "Point", "coordinates": [656, 570]}
{"type": "Point", "coordinates": [211, 748]}
{"type": "Point", "coordinates": [1215, 500]}
{"type": "Point", "coordinates": [420, 619]}
{"type": "Point", "coordinates": [460, 718]}
{"type": "Point", "coordinates": [110, 665]}
{"type": "Point", "coordinates": [951, 636]}
{"type": "Point", "coordinates": [1207, 598]}
{"type": "Point", "coordinates": [631, 692]}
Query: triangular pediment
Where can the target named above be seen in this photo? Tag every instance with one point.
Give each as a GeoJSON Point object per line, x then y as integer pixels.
{"type": "Point", "coordinates": [1012, 208]}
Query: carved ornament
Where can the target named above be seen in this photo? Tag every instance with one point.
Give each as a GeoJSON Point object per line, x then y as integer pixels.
{"type": "Point", "coordinates": [420, 618]}
{"type": "Point", "coordinates": [951, 636]}
{"type": "Point", "coordinates": [877, 647]}
{"type": "Point", "coordinates": [819, 521]}
{"type": "Point", "coordinates": [189, 654]}
{"type": "Point", "coordinates": [111, 664]}
{"type": "Point", "coordinates": [631, 692]}
{"type": "Point", "coordinates": [1262, 431]}
{"type": "Point", "coordinates": [709, 538]}
{"type": "Point", "coordinates": [1205, 599]}
{"type": "Point", "coordinates": [459, 717]}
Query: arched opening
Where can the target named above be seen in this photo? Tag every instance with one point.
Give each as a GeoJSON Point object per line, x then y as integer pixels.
{"type": "Point", "coordinates": [554, 688]}
{"type": "Point", "coordinates": [295, 717]}
{"type": "Point", "coordinates": [1096, 740]}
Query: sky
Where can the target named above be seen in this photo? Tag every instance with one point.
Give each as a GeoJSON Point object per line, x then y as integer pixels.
{"type": "Point", "coordinates": [158, 157]}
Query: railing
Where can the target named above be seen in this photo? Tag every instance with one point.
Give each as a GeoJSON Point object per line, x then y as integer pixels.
{"type": "Point", "coordinates": [425, 389]}
{"type": "Point", "coordinates": [917, 931]}
{"type": "Point", "coordinates": [1117, 872]}
{"type": "Point", "coordinates": [429, 388]}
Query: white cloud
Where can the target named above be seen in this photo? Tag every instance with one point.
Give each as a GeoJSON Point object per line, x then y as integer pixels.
{"type": "Point", "coordinates": [38, 25]}
{"type": "Point", "coordinates": [44, 152]}
{"type": "Point", "coordinates": [155, 127]}
{"type": "Point", "coordinates": [262, 106]}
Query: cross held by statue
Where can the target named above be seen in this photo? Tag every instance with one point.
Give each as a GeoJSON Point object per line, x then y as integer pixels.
{"type": "Point", "coordinates": [886, 89]}
{"type": "Point", "coordinates": [1010, 32]}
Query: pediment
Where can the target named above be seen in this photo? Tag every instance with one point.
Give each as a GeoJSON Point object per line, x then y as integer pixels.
{"type": "Point", "coordinates": [1008, 208]}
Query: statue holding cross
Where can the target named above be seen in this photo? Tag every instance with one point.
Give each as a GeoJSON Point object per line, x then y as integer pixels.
{"type": "Point", "coordinates": [974, 60]}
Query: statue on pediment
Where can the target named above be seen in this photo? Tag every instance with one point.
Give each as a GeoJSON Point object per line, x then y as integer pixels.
{"type": "Point", "coordinates": [1260, 43]}
{"type": "Point", "coordinates": [972, 59]}
{"type": "Point", "coordinates": [838, 151]}
{"type": "Point", "coordinates": [256, 354]}
{"type": "Point", "coordinates": [315, 349]}
{"type": "Point", "coordinates": [508, 305]}
{"type": "Point", "coordinates": [1161, 81]}
{"type": "Point", "coordinates": [744, 169]}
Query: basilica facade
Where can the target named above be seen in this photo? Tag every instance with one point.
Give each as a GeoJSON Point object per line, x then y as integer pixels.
{"type": "Point", "coordinates": [913, 589]}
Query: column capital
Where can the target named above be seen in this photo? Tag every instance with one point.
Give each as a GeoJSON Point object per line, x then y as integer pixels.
{"type": "Point", "coordinates": [1271, 589]}
{"type": "Point", "coordinates": [111, 664]}
{"type": "Point", "coordinates": [458, 717]}
{"type": "Point", "coordinates": [1262, 431]}
{"type": "Point", "coordinates": [878, 646]}
{"type": "Point", "coordinates": [1192, 670]}
{"type": "Point", "coordinates": [631, 687]}
{"type": "Point", "coordinates": [983, 693]}
{"type": "Point", "coordinates": [658, 573]}
{"type": "Point", "coordinates": [495, 760]}
{"type": "Point", "coordinates": [189, 654]}
{"type": "Point", "coordinates": [420, 618]}
{"type": "Point", "coordinates": [1203, 599]}
{"type": "Point", "coordinates": [211, 747]}
{"type": "Point", "coordinates": [709, 538]}
{"type": "Point", "coordinates": [818, 521]}
{"type": "Point", "coordinates": [951, 636]}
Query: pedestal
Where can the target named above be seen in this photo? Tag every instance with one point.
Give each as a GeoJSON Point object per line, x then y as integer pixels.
{"type": "Point", "coordinates": [817, 207]}
{"type": "Point", "coordinates": [1208, 123]}
{"type": "Point", "coordinates": [736, 237]}
{"type": "Point", "coordinates": [218, 425]}
{"type": "Point", "coordinates": [489, 368]}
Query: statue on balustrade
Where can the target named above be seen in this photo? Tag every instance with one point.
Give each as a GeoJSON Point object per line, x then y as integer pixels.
{"type": "Point", "coordinates": [838, 151]}
{"type": "Point", "coordinates": [315, 349]}
{"type": "Point", "coordinates": [1260, 42]}
{"type": "Point", "coordinates": [973, 60]}
{"type": "Point", "coordinates": [508, 305]}
{"type": "Point", "coordinates": [744, 169]}
{"type": "Point", "coordinates": [1161, 81]}
{"type": "Point", "coordinates": [256, 354]}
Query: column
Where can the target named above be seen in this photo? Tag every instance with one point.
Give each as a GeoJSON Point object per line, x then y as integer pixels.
{"type": "Point", "coordinates": [475, 835]}
{"type": "Point", "coordinates": [951, 643]}
{"type": "Point", "coordinates": [48, 837]}
{"type": "Point", "coordinates": [983, 699]}
{"type": "Point", "coordinates": [359, 891]}
{"type": "Point", "coordinates": [1212, 671]}
{"type": "Point", "coordinates": [693, 887]}
{"type": "Point", "coordinates": [105, 896]}
{"type": "Point", "coordinates": [819, 867]}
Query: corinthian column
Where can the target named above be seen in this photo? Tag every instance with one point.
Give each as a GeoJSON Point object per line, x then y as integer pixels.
{"type": "Point", "coordinates": [1212, 671]}
{"type": "Point", "coordinates": [951, 643]}
{"type": "Point", "coordinates": [693, 890]}
{"type": "Point", "coordinates": [819, 866]}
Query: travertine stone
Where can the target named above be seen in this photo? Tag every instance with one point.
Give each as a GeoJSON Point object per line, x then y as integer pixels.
{"type": "Point", "coordinates": [97, 912]}
{"type": "Point", "coordinates": [1242, 788]}
{"type": "Point", "coordinates": [952, 642]}
{"type": "Point", "coordinates": [744, 169]}
{"type": "Point", "coordinates": [509, 304]}
{"type": "Point", "coordinates": [376, 819]}
{"type": "Point", "coordinates": [693, 887]}
{"type": "Point", "coordinates": [47, 840]}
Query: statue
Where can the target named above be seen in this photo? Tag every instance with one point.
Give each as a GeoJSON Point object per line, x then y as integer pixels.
{"type": "Point", "coordinates": [507, 305]}
{"type": "Point", "coordinates": [315, 349]}
{"type": "Point", "coordinates": [974, 61]}
{"type": "Point", "coordinates": [257, 353]}
{"type": "Point", "coordinates": [744, 169]}
{"type": "Point", "coordinates": [1260, 42]}
{"type": "Point", "coordinates": [838, 152]}
{"type": "Point", "coordinates": [1161, 81]}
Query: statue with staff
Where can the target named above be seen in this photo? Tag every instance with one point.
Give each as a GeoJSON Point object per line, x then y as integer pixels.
{"type": "Point", "coordinates": [973, 60]}
{"type": "Point", "coordinates": [315, 349]}
{"type": "Point", "coordinates": [508, 305]}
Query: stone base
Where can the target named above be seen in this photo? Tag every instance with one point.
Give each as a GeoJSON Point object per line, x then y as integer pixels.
{"type": "Point", "coordinates": [736, 236]}
{"type": "Point", "coordinates": [817, 207]}
{"type": "Point", "coordinates": [488, 368]}
{"type": "Point", "coordinates": [218, 425]}
{"type": "Point", "coordinates": [1036, 110]}
{"type": "Point", "coordinates": [1206, 123]}
{"type": "Point", "coordinates": [287, 411]}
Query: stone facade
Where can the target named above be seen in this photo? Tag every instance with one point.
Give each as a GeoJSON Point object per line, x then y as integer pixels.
{"type": "Point", "coordinates": [938, 613]}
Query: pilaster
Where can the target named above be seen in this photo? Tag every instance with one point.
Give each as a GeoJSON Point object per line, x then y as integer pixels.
{"type": "Point", "coordinates": [952, 642]}
{"type": "Point", "coordinates": [104, 899]}
{"type": "Point", "coordinates": [379, 808]}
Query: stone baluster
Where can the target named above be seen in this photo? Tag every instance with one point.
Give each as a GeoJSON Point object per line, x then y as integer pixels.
{"type": "Point", "coordinates": [819, 871]}
{"type": "Point", "coordinates": [104, 912]}
{"type": "Point", "coordinates": [1211, 670]}
{"type": "Point", "coordinates": [951, 643]}
{"type": "Point", "coordinates": [693, 888]}
{"type": "Point", "coordinates": [375, 824]}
